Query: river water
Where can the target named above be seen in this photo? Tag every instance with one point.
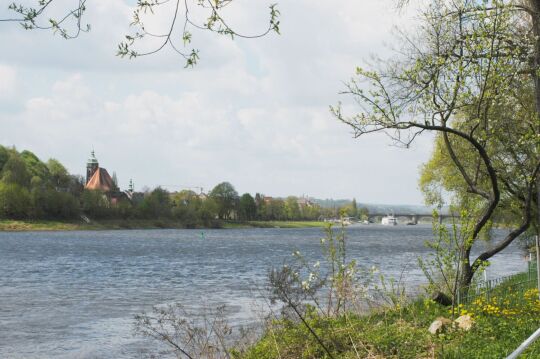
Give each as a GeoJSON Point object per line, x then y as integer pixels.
{"type": "Point", "coordinates": [74, 294]}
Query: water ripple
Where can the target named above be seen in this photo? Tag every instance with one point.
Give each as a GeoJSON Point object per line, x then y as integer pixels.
{"type": "Point", "coordinates": [74, 294]}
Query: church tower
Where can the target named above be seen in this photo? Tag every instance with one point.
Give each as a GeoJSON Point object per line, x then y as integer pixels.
{"type": "Point", "coordinates": [91, 166]}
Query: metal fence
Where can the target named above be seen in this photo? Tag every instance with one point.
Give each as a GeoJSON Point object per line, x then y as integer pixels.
{"type": "Point", "coordinates": [486, 289]}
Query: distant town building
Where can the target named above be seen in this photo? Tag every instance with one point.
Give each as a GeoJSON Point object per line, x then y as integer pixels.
{"type": "Point", "coordinates": [304, 202]}
{"type": "Point", "coordinates": [91, 166]}
{"type": "Point", "coordinates": [101, 180]}
{"type": "Point", "coordinates": [98, 179]}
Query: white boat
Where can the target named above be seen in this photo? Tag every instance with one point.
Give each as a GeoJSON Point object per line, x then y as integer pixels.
{"type": "Point", "coordinates": [389, 220]}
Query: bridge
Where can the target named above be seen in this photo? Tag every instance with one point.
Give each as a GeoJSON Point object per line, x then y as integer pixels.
{"type": "Point", "coordinates": [412, 217]}
{"type": "Point", "coordinates": [376, 217]}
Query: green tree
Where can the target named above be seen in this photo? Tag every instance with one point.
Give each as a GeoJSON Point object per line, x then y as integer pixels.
{"type": "Point", "coordinates": [185, 198]}
{"type": "Point", "coordinates": [226, 199]}
{"type": "Point", "coordinates": [14, 201]}
{"type": "Point", "coordinates": [208, 211]}
{"type": "Point", "coordinates": [51, 204]}
{"type": "Point", "coordinates": [247, 209]}
{"type": "Point", "coordinates": [124, 209]}
{"type": "Point", "coordinates": [352, 210]}
{"type": "Point", "coordinates": [313, 212]}
{"type": "Point", "coordinates": [15, 171]}
{"type": "Point", "coordinates": [34, 165]}
{"type": "Point", "coordinates": [35, 189]}
{"type": "Point", "coordinates": [292, 209]}
{"type": "Point", "coordinates": [75, 185]}
{"type": "Point", "coordinates": [187, 207]}
{"type": "Point", "coordinates": [59, 175]}
{"type": "Point", "coordinates": [156, 204]}
{"type": "Point", "coordinates": [95, 204]}
{"type": "Point", "coordinates": [275, 210]}
{"type": "Point", "coordinates": [363, 213]}
{"type": "Point", "coordinates": [455, 78]}
{"type": "Point", "coordinates": [4, 157]}
{"type": "Point", "coordinates": [260, 203]}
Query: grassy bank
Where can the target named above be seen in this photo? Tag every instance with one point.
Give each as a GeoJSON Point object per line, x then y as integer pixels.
{"type": "Point", "coordinates": [19, 225]}
{"type": "Point", "coordinates": [500, 324]}
{"type": "Point", "coordinates": [13, 225]}
{"type": "Point", "coordinates": [275, 224]}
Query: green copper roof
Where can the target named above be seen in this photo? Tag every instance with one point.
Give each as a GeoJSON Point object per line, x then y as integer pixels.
{"type": "Point", "coordinates": [92, 158]}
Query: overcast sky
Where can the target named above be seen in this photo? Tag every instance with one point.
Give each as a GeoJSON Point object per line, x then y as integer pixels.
{"type": "Point", "coordinates": [253, 112]}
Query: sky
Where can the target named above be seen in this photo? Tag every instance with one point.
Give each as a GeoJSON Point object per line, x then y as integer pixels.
{"type": "Point", "coordinates": [253, 112]}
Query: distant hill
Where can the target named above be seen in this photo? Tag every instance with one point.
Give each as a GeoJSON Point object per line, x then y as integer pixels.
{"type": "Point", "coordinates": [377, 208]}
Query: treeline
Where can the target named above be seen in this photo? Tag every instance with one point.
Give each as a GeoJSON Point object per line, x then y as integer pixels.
{"type": "Point", "coordinates": [32, 189]}
{"type": "Point", "coordinates": [228, 204]}
{"type": "Point", "coordinates": [222, 203]}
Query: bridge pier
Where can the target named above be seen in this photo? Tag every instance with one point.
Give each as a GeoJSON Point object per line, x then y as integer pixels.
{"type": "Point", "coordinates": [412, 217]}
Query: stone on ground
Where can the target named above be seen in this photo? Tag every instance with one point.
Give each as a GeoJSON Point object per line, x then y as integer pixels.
{"type": "Point", "coordinates": [439, 325]}
{"type": "Point", "coordinates": [465, 322]}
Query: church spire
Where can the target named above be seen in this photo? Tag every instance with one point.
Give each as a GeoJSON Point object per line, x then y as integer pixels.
{"type": "Point", "coordinates": [91, 166]}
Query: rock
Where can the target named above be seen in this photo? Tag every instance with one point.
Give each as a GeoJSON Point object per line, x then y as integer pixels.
{"type": "Point", "coordinates": [441, 298]}
{"type": "Point", "coordinates": [465, 322]}
{"type": "Point", "coordinates": [439, 325]}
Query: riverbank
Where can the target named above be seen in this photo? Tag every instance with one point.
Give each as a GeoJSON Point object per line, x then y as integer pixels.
{"type": "Point", "coordinates": [103, 271]}
{"type": "Point", "coordinates": [489, 327]}
{"type": "Point", "coordinates": [20, 225]}
{"type": "Point", "coordinates": [275, 224]}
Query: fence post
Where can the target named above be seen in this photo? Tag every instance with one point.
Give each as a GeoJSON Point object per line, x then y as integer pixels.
{"type": "Point", "coordinates": [538, 261]}
{"type": "Point", "coordinates": [524, 345]}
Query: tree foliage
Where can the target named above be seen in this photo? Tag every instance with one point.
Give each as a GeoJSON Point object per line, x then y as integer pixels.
{"type": "Point", "coordinates": [34, 189]}
{"type": "Point", "coordinates": [226, 199]}
{"type": "Point", "coordinates": [247, 209]}
{"type": "Point", "coordinates": [470, 75]}
{"type": "Point", "coordinates": [14, 200]}
{"type": "Point", "coordinates": [184, 19]}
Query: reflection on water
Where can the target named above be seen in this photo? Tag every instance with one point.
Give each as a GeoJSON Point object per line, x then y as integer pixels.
{"type": "Point", "coordinates": [74, 294]}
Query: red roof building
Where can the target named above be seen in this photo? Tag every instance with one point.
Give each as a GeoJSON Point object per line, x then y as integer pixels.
{"type": "Point", "coordinates": [98, 178]}
{"type": "Point", "coordinates": [101, 181]}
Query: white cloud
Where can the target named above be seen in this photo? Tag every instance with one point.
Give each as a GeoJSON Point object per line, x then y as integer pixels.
{"type": "Point", "coordinates": [8, 82]}
{"type": "Point", "coordinates": [254, 113]}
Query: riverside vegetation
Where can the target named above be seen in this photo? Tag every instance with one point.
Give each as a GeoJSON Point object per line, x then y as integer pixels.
{"type": "Point", "coordinates": [337, 309]}
{"type": "Point", "coordinates": [470, 75]}
{"type": "Point", "coordinates": [36, 195]}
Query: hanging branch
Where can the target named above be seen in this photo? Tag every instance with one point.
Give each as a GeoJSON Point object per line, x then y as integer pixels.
{"type": "Point", "coordinates": [458, 78]}
{"type": "Point", "coordinates": [70, 25]}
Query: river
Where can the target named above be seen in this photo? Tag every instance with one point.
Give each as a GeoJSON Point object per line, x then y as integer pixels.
{"type": "Point", "coordinates": [74, 294]}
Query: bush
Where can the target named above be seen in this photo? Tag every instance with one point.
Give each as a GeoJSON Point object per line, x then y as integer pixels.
{"type": "Point", "coordinates": [95, 204]}
{"type": "Point", "coordinates": [15, 201]}
{"type": "Point", "coordinates": [54, 205]}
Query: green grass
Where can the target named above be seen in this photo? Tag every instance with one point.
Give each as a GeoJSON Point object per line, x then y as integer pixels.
{"type": "Point", "coordinates": [14, 225]}
{"type": "Point", "coordinates": [287, 224]}
{"type": "Point", "coordinates": [19, 225]}
{"type": "Point", "coordinates": [500, 326]}
{"type": "Point", "coordinates": [272, 224]}
{"type": "Point", "coordinates": [27, 225]}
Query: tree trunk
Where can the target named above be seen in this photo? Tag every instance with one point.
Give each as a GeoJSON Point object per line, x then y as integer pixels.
{"type": "Point", "coordinates": [466, 272]}
{"type": "Point", "coordinates": [535, 5]}
{"type": "Point", "coordinates": [535, 22]}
